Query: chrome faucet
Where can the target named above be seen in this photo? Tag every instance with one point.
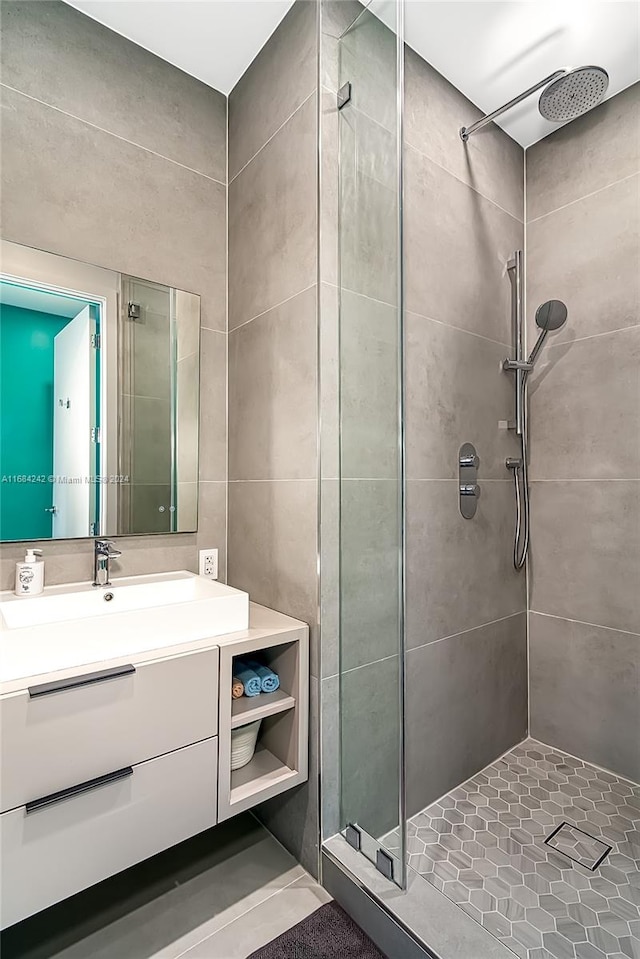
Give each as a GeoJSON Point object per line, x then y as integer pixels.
{"type": "Point", "coordinates": [102, 553]}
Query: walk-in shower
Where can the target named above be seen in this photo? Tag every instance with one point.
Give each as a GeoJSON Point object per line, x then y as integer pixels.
{"type": "Point", "coordinates": [567, 94]}
{"type": "Point", "coordinates": [479, 724]}
{"type": "Point", "coordinates": [549, 316]}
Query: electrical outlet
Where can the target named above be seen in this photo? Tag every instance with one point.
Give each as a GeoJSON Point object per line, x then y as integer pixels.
{"type": "Point", "coordinates": [208, 565]}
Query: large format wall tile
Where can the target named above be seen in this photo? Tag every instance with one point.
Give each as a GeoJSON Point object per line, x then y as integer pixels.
{"type": "Point", "coordinates": [273, 394]}
{"type": "Point", "coordinates": [587, 254]}
{"type": "Point", "coordinates": [280, 78]}
{"type": "Point", "coordinates": [213, 406]}
{"type": "Point", "coordinates": [336, 17]}
{"type": "Point", "coordinates": [330, 575]}
{"type": "Point", "coordinates": [466, 704]}
{"type": "Point", "coordinates": [368, 59]}
{"type": "Point", "coordinates": [273, 416]}
{"type": "Point", "coordinates": [459, 572]}
{"type": "Point", "coordinates": [369, 392]}
{"type": "Point", "coordinates": [272, 221]}
{"type": "Point", "coordinates": [585, 691]}
{"type": "Point", "coordinates": [591, 152]}
{"type": "Point", "coordinates": [370, 762]}
{"type": "Point", "coordinates": [57, 54]}
{"type": "Point", "coordinates": [583, 246]}
{"type": "Point", "coordinates": [100, 199]}
{"type": "Point", "coordinates": [368, 231]}
{"type": "Point", "coordinates": [329, 246]}
{"type": "Point", "coordinates": [329, 373]}
{"type": "Point", "coordinates": [212, 522]}
{"type": "Point", "coordinates": [455, 393]}
{"type": "Point", "coordinates": [272, 545]}
{"type": "Point", "coordinates": [457, 247]}
{"type": "Point", "coordinates": [98, 175]}
{"type": "Point", "coordinates": [293, 816]}
{"type": "Point", "coordinates": [369, 571]}
{"type": "Point", "coordinates": [435, 110]}
{"type": "Point", "coordinates": [331, 727]}
{"type": "Point", "coordinates": [585, 403]}
{"type": "Point", "coordinates": [585, 561]}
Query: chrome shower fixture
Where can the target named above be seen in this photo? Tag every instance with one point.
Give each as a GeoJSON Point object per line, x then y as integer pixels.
{"type": "Point", "coordinates": [549, 316]}
{"type": "Point", "coordinates": [567, 94]}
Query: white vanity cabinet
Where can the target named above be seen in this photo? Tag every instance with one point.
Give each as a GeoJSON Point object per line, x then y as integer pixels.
{"type": "Point", "coordinates": [70, 730]}
{"type": "Point", "coordinates": [104, 766]}
{"type": "Point", "coordinates": [52, 852]}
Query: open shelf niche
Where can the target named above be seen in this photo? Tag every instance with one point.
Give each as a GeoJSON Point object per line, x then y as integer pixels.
{"type": "Point", "coordinates": [249, 708]}
{"type": "Point", "coordinates": [281, 757]}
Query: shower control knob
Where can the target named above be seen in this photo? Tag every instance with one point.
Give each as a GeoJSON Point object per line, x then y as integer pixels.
{"type": "Point", "coordinates": [468, 489]}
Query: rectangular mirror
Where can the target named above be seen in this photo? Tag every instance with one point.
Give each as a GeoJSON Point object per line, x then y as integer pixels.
{"type": "Point", "coordinates": [99, 396]}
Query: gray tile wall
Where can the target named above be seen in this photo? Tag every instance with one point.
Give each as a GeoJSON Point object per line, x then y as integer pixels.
{"type": "Point", "coordinates": [115, 157]}
{"type": "Point", "coordinates": [466, 622]}
{"type": "Point", "coordinates": [583, 246]}
{"type": "Point", "coordinates": [272, 358]}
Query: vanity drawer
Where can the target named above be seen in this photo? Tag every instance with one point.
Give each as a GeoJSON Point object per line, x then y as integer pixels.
{"type": "Point", "coordinates": [56, 850]}
{"type": "Point", "coordinates": [54, 738]}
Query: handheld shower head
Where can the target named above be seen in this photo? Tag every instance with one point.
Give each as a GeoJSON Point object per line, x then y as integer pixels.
{"type": "Point", "coordinates": [549, 316]}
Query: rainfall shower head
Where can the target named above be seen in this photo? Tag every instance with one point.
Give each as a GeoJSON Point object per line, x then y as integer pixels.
{"type": "Point", "coordinates": [549, 316]}
{"type": "Point", "coordinates": [567, 94]}
{"type": "Point", "coordinates": [574, 93]}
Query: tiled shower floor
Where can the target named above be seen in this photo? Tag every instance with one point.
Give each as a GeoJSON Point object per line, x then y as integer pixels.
{"type": "Point", "coordinates": [483, 846]}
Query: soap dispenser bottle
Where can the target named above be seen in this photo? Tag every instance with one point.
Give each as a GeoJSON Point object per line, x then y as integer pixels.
{"type": "Point", "coordinates": [30, 574]}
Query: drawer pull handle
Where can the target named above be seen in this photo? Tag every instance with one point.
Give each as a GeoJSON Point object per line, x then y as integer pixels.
{"type": "Point", "coordinates": [87, 679]}
{"type": "Point", "coordinates": [78, 790]}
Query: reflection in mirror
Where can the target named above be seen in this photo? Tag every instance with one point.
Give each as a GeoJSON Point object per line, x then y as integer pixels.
{"type": "Point", "coordinates": [158, 401]}
{"type": "Point", "coordinates": [49, 370]}
{"type": "Point", "coordinates": [99, 388]}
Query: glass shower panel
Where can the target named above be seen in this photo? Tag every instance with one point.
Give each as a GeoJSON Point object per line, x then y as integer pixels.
{"type": "Point", "coordinates": [147, 448]}
{"type": "Point", "coordinates": [370, 449]}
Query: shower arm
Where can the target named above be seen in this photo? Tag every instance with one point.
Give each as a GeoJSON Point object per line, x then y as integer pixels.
{"type": "Point", "coordinates": [466, 132]}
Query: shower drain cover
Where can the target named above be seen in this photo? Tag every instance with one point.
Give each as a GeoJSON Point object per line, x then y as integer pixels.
{"type": "Point", "coordinates": [578, 845]}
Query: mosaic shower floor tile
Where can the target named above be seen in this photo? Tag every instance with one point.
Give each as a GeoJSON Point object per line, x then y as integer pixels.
{"type": "Point", "coordinates": [489, 845]}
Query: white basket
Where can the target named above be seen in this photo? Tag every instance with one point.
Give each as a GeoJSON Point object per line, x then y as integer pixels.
{"type": "Point", "coordinates": [243, 744]}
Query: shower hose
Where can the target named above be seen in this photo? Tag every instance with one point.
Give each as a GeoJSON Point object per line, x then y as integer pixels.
{"type": "Point", "coordinates": [521, 482]}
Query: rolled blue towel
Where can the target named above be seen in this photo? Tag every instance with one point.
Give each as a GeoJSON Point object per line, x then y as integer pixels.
{"type": "Point", "coordinates": [269, 680]}
{"type": "Point", "coordinates": [248, 677]}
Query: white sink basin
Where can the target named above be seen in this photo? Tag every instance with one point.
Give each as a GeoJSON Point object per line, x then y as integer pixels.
{"type": "Point", "coordinates": [78, 623]}
{"type": "Point", "coordinates": [83, 601]}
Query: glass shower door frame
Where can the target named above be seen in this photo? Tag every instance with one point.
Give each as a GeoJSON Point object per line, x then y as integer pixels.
{"type": "Point", "coordinates": [388, 852]}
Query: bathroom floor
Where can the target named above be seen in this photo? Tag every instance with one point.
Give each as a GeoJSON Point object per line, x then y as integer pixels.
{"type": "Point", "coordinates": [222, 895]}
{"type": "Point", "coordinates": [497, 847]}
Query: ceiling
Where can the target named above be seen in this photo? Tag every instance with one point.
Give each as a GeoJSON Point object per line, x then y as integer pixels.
{"type": "Point", "coordinates": [213, 40]}
{"type": "Point", "coordinates": [491, 51]}
{"type": "Point", "coordinates": [494, 51]}
{"type": "Point", "coordinates": [40, 301]}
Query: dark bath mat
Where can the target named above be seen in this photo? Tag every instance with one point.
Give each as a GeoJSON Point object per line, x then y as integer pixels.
{"type": "Point", "coordinates": [328, 933]}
